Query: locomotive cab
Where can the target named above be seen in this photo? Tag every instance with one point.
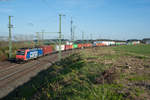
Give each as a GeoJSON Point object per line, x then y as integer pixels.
{"type": "Point", "coordinates": [20, 55]}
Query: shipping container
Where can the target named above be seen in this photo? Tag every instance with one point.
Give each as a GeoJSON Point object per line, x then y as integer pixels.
{"type": "Point", "coordinates": [117, 44]}
{"type": "Point", "coordinates": [94, 44]}
{"type": "Point", "coordinates": [85, 45]}
{"type": "Point", "coordinates": [47, 49]}
{"type": "Point", "coordinates": [100, 44]}
{"type": "Point", "coordinates": [75, 46]}
{"type": "Point", "coordinates": [80, 45]}
{"type": "Point", "coordinates": [62, 47]}
{"type": "Point", "coordinates": [68, 47]}
{"type": "Point", "coordinates": [89, 45]}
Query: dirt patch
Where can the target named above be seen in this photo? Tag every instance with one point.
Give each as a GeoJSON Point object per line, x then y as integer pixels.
{"type": "Point", "coordinates": [133, 73]}
{"type": "Point", "coordinates": [108, 76]}
{"type": "Point", "coordinates": [137, 71]}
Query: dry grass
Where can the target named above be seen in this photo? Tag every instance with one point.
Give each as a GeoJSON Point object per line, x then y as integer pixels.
{"type": "Point", "coordinates": [103, 73]}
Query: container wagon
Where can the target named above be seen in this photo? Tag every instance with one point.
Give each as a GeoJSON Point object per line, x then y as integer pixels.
{"type": "Point", "coordinates": [75, 46]}
{"type": "Point", "coordinates": [80, 45]}
{"type": "Point", "coordinates": [47, 50]}
{"type": "Point", "coordinates": [62, 47]}
{"type": "Point", "coordinates": [68, 47]}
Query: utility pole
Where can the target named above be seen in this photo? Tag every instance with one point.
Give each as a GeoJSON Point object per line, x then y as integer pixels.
{"type": "Point", "coordinates": [43, 37]}
{"type": "Point", "coordinates": [82, 36]}
{"type": "Point", "coordinates": [82, 39]}
{"type": "Point", "coordinates": [73, 33]}
{"type": "Point", "coordinates": [91, 40]}
{"type": "Point", "coordinates": [10, 38]}
{"type": "Point", "coordinates": [38, 39]}
{"type": "Point", "coordinates": [71, 29]}
{"type": "Point", "coordinates": [91, 37]}
{"type": "Point", "coordinates": [59, 54]}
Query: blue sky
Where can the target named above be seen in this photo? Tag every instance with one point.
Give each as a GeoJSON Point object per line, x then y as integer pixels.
{"type": "Point", "coordinates": [113, 19]}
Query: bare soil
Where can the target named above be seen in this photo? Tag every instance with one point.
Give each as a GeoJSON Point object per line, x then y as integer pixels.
{"type": "Point", "coordinates": [132, 72]}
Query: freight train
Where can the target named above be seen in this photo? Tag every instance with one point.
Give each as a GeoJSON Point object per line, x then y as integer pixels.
{"type": "Point", "coordinates": [26, 54]}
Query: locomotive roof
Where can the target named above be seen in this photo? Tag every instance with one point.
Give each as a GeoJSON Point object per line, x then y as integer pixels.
{"type": "Point", "coordinates": [29, 48]}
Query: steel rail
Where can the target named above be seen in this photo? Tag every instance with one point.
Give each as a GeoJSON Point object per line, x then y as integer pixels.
{"type": "Point", "coordinates": [11, 74]}
{"type": "Point", "coordinates": [23, 67]}
{"type": "Point", "coordinates": [6, 69]}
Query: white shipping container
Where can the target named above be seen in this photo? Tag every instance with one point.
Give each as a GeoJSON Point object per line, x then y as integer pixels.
{"type": "Point", "coordinates": [69, 43]}
{"type": "Point", "coordinates": [108, 43]}
{"type": "Point", "coordinates": [62, 47]}
{"type": "Point", "coordinates": [112, 43]}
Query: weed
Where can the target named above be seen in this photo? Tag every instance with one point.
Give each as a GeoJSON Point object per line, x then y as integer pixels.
{"type": "Point", "coordinates": [139, 78]}
{"type": "Point", "coordinates": [75, 77]}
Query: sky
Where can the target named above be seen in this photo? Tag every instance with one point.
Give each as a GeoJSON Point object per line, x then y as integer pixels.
{"type": "Point", "coordinates": [109, 19]}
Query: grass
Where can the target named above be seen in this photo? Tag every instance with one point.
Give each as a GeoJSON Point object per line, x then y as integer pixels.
{"type": "Point", "coordinates": [71, 79]}
{"type": "Point", "coordinates": [136, 49]}
{"type": "Point", "coordinates": [89, 76]}
{"type": "Point", "coordinates": [140, 78]}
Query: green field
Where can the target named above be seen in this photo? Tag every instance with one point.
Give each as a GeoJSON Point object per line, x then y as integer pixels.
{"type": "Point", "coordinates": [102, 73]}
{"type": "Point", "coordinates": [137, 49]}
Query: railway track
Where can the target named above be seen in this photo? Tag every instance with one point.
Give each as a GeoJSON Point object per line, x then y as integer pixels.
{"type": "Point", "coordinates": [6, 75]}
{"type": "Point", "coordinates": [6, 72]}
{"type": "Point", "coordinates": [7, 68]}
{"type": "Point", "coordinates": [15, 75]}
{"type": "Point", "coordinates": [12, 70]}
{"type": "Point", "coordinates": [6, 64]}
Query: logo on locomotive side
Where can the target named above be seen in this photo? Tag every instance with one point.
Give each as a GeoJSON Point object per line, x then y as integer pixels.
{"type": "Point", "coordinates": [33, 54]}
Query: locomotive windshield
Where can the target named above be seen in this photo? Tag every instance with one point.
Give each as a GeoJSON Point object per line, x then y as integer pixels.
{"type": "Point", "coordinates": [20, 52]}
